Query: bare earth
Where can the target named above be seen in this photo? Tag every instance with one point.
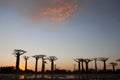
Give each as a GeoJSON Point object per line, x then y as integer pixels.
{"type": "Point", "coordinates": [60, 77]}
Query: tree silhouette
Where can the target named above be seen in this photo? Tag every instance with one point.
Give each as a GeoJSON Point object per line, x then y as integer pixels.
{"type": "Point", "coordinates": [95, 59]}
{"type": "Point", "coordinates": [55, 66]}
{"type": "Point", "coordinates": [78, 60]}
{"type": "Point", "coordinates": [118, 60]}
{"type": "Point", "coordinates": [43, 62]}
{"type": "Point", "coordinates": [113, 65]}
{"type": "Point", "coordinates": [17, 53]}
{"type": "Point", "coordinates": [36, 58]}
{"type": "Point", "coordinates": [26, 58]}
{"type": "Point", "coordinates": [104, 62]}
{"type": "Point", "coordinates": [87, 62]}
{"type": "Point", "coordinates": [82, 61]}
{"type": "Point", "coordinates": [52, 59]}
{"type": "Point", "coordinates": [7, 69]}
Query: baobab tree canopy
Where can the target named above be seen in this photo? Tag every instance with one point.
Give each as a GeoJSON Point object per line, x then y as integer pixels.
{"type": "Point", "coordinates": [36, 56]}
{"type": "Point", "coordinates": [114, 63]}
{"type": "Point", "coordinates": [87, 60]}
{"type": "Point", "coordinates": [78, 59]}
{"type": "Point", "coordinates": [19, 52]}
{"type": "Point", "coordinates": [94, 58]}
{"type": "Point", "coordinates": [52, 58]}
{"type": "Point", "coordinates": [118, 60]}
{"type": "Point", "coordinates": [42, 55]}
{"type": "Point", "coordinates": [103, 59]}
{"type": "Point", "coordinates": [26, 57]}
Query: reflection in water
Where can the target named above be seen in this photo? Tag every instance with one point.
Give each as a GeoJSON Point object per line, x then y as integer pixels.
{"type": "Point", "coordinates": [60, 76]}
{"type": "Point", "coordinates": [21, 76]}
{"type": "Point", "coordinates": [77, 77]}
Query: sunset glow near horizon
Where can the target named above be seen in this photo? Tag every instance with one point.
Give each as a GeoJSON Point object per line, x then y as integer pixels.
{"type": "Point", "coordinates": [66, 29]}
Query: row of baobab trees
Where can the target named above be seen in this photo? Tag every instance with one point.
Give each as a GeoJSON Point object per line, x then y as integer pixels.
{"type": "Point", "coordinates": [19, 52]}
{"type": "Point", "coordinates": [80, 61]}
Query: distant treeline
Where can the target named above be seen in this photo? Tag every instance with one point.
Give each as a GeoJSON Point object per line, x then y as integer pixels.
{"type": "Point", "coordinates": [7, 69]}
{"type": "Point", "coordinates": [11, 69]}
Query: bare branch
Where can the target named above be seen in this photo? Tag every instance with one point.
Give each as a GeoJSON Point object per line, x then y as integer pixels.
{"type": "Point", "coordinates": [36, 56]}
{"type": "Point", "coordinates": [19, 52]}
{"type": "Point", "coordinates": [52, 58]}
{"type": "Point", "coordinates": [103, 59]}
{"type": "Point", "coordinates": [94, 58]}
{"type": "Point", "coordinates": [88, 60]}
{"type": "Point", "coordinates": [26, 57]}
{"type": "Point", "coordinates": [118, 60]}
{"type": "Point", "coordinates": [114, 63]}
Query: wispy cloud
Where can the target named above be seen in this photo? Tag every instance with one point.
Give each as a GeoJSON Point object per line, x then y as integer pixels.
{"type": "Point", "coordinates": [57, 11]}
{"type": "Point", "coordinates": [51, 10]}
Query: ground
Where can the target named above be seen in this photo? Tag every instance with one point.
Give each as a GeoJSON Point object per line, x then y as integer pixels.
{"type": "Point", "coordinates": [60, 77]}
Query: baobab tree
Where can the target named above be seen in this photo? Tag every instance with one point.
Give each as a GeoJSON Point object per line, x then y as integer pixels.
{"type": "Point", "coordinates": [26, 58]}
{"type": "Point", "coordinates": [55, 66]}
{"type": "Point", "coordinates": [52, 59]}
{"type": "Point", "coordinates": [104, 62]}
{"type": "Point", "coordinates": [118, 60]}
{"type": "Point", "coordinates": [43, 62]}
{"type": "Point", "coordinates": [36, 58]}
{"type": "Point", "coordinates": [87, 62]}
{"type": "Point", "coordinates": [78, 60]}
{"type": "Point", "coordinates": [18, 53]}
{"type": "Point", "coordinates": [95, 59]}
{"type": "Point", "coordinates": [82, 61]}
{"type": "Point", "coordinates": [113, 65]}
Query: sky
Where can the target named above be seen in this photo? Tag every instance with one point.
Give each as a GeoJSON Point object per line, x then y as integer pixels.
{"type": "Point", "coordinates": [66, 29]}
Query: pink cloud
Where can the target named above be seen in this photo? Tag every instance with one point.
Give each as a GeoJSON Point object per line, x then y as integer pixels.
{"type": "Point", "coordinates": [58, 11]}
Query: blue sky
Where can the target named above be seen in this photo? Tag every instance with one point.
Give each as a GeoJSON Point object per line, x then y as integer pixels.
{"type": "Point", "coordinates": [67, 30]}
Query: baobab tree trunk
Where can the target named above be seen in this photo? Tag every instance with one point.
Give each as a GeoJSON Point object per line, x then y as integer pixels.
{"type": "Point", "coordinates": [79, 66]}
{"type": "Point", "coordinates": [43, 66]}
{"type": "Point", "coordinates": [26, 58]}
{"type": "Point", "coordinates": [25, 65]}
{"type": "Point", "coordinates": [95, 65]}
{"type": "Point", "coordinates": [104, 68]}
{"type": "Point", "coordinates": [52, 66]}
{"type": "Point", "coordinates": [74, 67]}
{"type": "Point", "coordinates": [36, 65]}
{"type": "Point", "coordinates": [17, 62]}
{"type": "Point", "coordinates": [55, 67]}
{"type": "Point", "coordinates": [113, 67]}
{"type": "Point", "coordinates": [82, 67]}
{"type": "Point", "coordinates": [86, 66]}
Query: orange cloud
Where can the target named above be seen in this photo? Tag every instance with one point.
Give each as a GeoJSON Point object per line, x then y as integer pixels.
{"type": "Point", "coordinates": [58, 11]}
{"type": "Point", "coordinates": [59, 14]}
